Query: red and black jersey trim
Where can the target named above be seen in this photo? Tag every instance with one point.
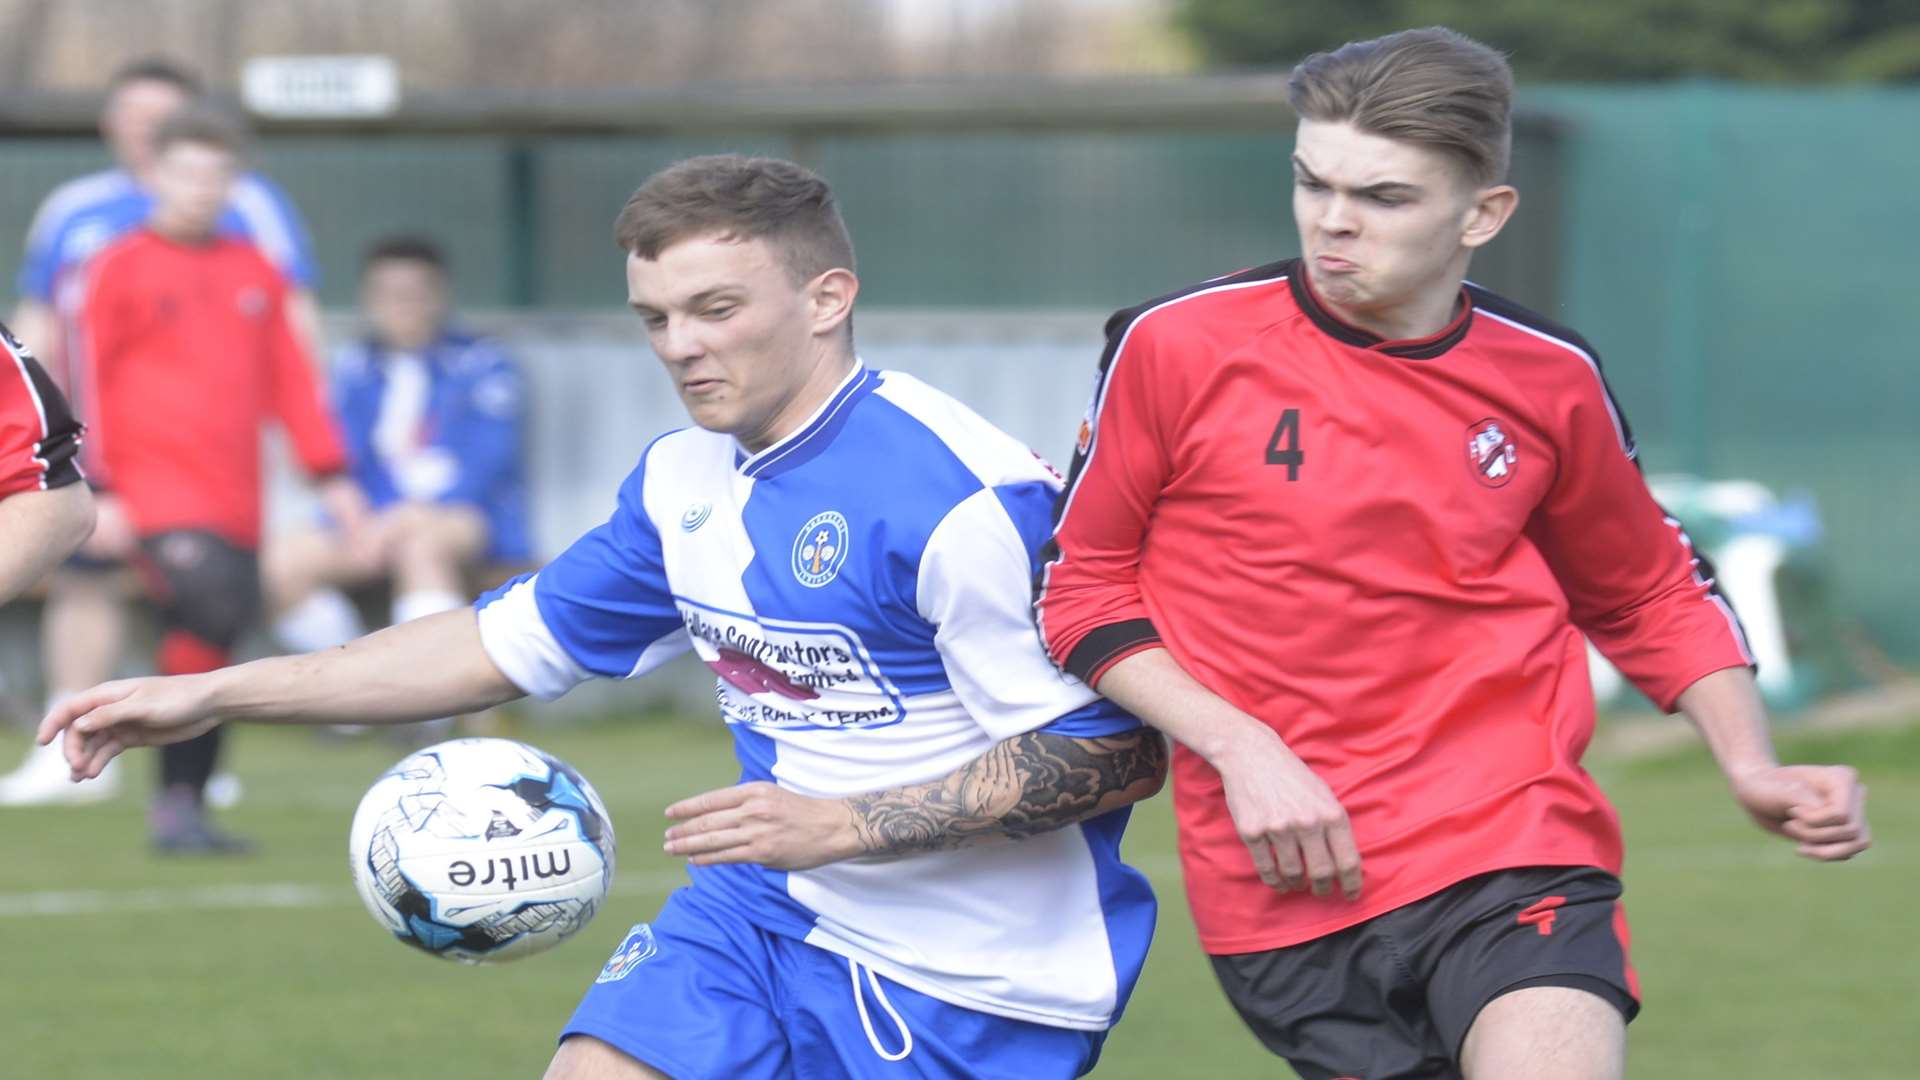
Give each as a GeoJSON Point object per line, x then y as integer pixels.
{"type": "Point", "coordinates": [58, 449]}
{"type": "Point", "coordinates": [1704, 571]}
{"type": "Point", "coordinates": [1109, 644]}
{"type": "Point", "coordinates": [1504, 308]}
{"type": "Point", "coordinates": [1426, 348]}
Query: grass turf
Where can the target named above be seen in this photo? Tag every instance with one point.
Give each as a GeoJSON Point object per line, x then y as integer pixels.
{"type": "Point", "coordinates": [1754, 963]}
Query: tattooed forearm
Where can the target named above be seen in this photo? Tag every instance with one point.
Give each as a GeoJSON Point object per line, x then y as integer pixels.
{"type": "Point", "coordinates": [1028, 784]}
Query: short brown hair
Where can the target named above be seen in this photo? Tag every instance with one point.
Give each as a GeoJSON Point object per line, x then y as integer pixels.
{"type": "Point", "coordinates": [743, 198]}
{"type": "Point", "coordinates": [155, 69]}
{"type": "Point", "coordinates": [405, 247]}
{"type": "Point", "coordinates": [203, 125]}
{"type": "Point", "coordinates": [1436, 87]}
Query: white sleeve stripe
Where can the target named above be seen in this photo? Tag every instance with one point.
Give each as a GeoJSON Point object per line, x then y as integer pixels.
{"type": "Point", "coordinates": [1619, 429]}
{"type": "Point", "coordinates": [522, 646]}
{"type": "Point", "coordinates": [1713, 592]}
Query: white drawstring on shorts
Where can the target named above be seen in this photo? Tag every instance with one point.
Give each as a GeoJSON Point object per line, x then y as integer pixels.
{"type": "Point", "coordinates": [860, 1002]}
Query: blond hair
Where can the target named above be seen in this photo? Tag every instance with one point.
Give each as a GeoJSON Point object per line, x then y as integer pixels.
{"type": "Point", "coordinates": [1435, 87]}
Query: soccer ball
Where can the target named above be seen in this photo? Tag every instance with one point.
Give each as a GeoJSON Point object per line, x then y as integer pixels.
{"type": "Point", "coordinates": [481, 850]}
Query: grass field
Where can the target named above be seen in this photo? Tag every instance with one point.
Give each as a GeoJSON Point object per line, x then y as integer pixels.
{"type": "Point", "coordinates": [116, 964]}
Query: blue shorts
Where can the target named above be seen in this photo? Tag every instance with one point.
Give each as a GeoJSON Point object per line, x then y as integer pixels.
{"type": "Point", "coordinates": [703, 994]}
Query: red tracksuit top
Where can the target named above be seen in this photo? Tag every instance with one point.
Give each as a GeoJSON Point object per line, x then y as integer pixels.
{"type": "Point", "coordinates": [39, 437]}
{"type": "Point", "coordinates": [187, 350]}
{"type": "Point", "coordinates": [1388, 552]}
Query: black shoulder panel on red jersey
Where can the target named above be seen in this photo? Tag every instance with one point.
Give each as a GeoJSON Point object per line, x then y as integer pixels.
{"type": "Point", "coordinates": [1120, 320]}
{"type": "Point", "coordinates": [59, 446]}
{"type": "Point", "coordinates": [1495, 304]}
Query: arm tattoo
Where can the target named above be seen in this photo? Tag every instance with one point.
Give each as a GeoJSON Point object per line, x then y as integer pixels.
{"type": "Point", "coordinates": [1028, 784]}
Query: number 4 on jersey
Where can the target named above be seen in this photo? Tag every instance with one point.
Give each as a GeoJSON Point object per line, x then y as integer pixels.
{"type": "Point", "coordinates": [1284, 447]}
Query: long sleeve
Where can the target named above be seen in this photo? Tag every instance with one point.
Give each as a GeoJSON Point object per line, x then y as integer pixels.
{"type": "Point", "coordinates": [104, 327]}
{"type": "Point", "coordinates": [1634, 584]}
{"type": "Point", "coordinates": [1087, 593]}
{"type": "Point", "coordinates": [297, 400]}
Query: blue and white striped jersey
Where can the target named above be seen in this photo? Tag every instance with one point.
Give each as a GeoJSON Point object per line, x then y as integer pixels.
{"type": "Point", "coordinates": [862, 590]}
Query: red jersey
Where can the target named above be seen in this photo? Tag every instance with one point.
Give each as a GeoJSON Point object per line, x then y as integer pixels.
{"type": "Point", "coordinates": [39, 437]}
{"type": "Point", "coordinates": [1388, 552]}
{"type": "Point", "coordinates": [186, 350]}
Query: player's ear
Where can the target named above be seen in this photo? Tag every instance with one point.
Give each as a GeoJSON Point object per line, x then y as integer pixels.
{"type": "Point", "coordinates": [831, 297]}
{"type": "Point", "coordinates": [1488, 214]}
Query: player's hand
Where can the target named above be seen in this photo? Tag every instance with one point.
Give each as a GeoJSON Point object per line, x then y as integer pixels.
{"type": "Point", "coordinates": [1294, 828]}
{"type": "Point", "coordinates": [761, 823]}
{"type": "Point", "coordinates": [113, 537]}
{"type": "Point", "coordinates": [1823, 807]}
{"type": "Point", "coordinates": [101, 722]}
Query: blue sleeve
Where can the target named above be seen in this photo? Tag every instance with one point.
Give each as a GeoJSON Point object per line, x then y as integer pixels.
{"type": "Point", "coordinates": [1102, 717]}
{"type": "Point", "coordinates": [35, 280]}
{"type": "Point", "coordinates": [606, 598]}
{"type": "Point", "coordinates": [602, 608]}
{"type": "Point", "coordinates": [268, 217]}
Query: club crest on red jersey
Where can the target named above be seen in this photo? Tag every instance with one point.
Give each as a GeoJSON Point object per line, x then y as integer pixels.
{"type": "Point", "coordinates": [1491, 453]}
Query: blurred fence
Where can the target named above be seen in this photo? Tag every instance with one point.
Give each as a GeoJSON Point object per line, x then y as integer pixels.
{"type": "Point", "coordinates": [1744, 261]}
{"type": "Point", "coordinates": [1740, 257]}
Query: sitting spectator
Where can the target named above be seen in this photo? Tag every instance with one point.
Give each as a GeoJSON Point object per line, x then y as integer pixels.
{"type": "Point", "coordinates": [432, 419]}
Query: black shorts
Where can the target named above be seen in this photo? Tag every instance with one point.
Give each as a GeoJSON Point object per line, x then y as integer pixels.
{"type": "Point", "coordinates": [201, 584]}
{"type": "Point", "coordinates": [1394, 996]}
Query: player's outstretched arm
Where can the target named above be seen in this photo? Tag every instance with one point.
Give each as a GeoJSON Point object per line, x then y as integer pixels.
{"type": "Point", "coordinates": [1025, 785]}
{"type": "Point", "coordinates": [418, 670]}
{"type": "Point", "coordinates": [1822, 807]}
{"type": "Point", "coordinates": [1294, 828]}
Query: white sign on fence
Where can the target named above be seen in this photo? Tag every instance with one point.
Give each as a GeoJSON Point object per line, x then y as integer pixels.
{"type": "Point", "coordinates": [320, 87]}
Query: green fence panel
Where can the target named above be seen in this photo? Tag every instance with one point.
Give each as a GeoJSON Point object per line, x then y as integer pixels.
{"type": "Point", "coordinates": [1743, 258]}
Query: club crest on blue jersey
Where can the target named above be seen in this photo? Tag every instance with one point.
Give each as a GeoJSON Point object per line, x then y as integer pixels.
{"type": "Point", "coordinates": [820, 549]}
{"type": "Point", "coordinates": [1491, 453]}
{"type": "Point", "coordinates": [637, 947]}
{"type": "Point", "coordinates": [695, 515]}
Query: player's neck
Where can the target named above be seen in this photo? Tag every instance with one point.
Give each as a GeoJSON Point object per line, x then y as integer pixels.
{"type": "Point", "coordinates": [1416, 317]}
{"type": "Point", "coordinates": [189, 234]}
{"type": "Point", "coordinates": [828, 368]}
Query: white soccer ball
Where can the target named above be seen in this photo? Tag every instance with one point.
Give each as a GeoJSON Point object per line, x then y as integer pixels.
{"type": "Point", "coordinates": [482, 850]}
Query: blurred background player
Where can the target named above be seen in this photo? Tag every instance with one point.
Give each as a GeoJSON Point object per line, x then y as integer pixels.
{"type": "Point", "coordinates": [433, 425]}
{"type": "Point", "coordinates": [188, 348]}
{"type": "Point", "coordinates": [45, 510]}
{"type": "Point", "coordinates": [84, 621]}
{"type": "Point", "coordinates": [1337, 525]}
